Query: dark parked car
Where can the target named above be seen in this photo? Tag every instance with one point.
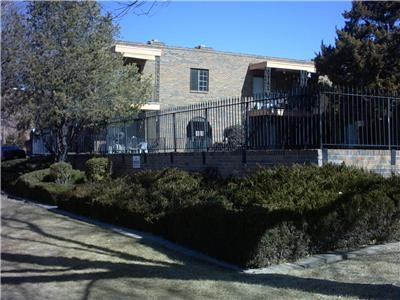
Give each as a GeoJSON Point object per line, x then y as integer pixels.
{"type": "Point", "coordinates": [12, 152]}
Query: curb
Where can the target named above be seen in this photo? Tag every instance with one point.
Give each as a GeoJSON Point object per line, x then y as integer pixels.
{"type": "Point", "coordinates": [323, 259]}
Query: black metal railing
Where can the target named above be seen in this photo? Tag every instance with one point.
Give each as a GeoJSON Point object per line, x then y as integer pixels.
{"type": "Point", "coordinates": [302, 119]}
{"type": "Point", "coordinates": [360, 120]}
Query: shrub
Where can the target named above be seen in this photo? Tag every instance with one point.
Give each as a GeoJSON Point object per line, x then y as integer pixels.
{"type": "Point", "coordinates": [38, 185]}
{"type": "Point", "coordinates": [283, 242]}
{"type": "Point", "coordinates": [235, 136]}
{"type": "Point", "coordinates": [12, 169]}
{"type": "Point", "coordinates": [360, 217]}
{"type": "Point", "coordinates": [285, 213]}
{"type": "Point", "coordinates": [297, 188]}
{"type": "Point", "coordinates": [168, 189]}
{"type": "Point", "coordinates": [208, 227]}
{"type": "Point", "coordinates": [98, 169]}
{"type": "Point", "coordinates": [35, 176]}
{"type": "Point", "coordinates": [60, 172]}
{"type": "Point", "coordinates": [32, 186]}
{"type": "Point", "coordinates": [172, 189]}
{"type": "Point", "coordinates": [268, 217]}
{"type": "Point", "coordinates": [212, 177]}
{"type": "Point", "coordinates": [78, 199]}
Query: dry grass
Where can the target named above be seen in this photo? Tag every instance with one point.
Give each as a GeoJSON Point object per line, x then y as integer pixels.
{"type": "Point", "coordinates": [49, 256]}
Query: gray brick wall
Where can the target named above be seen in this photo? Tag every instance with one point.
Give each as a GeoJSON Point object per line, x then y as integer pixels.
{"type": "Point", "coordinates": [234, 163]}
{"type": "Point", "coordinates": [227, 75]}
{"type": "Point", "coordinates": [380, 161]}
{"type": "Point", "coordinates": [228, 163]}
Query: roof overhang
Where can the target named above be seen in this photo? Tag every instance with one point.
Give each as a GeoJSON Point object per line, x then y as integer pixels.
{"type": "Point", "coordinates": [150, 106]}
{"type": "Point", "coordinates": [286, 65]}
{"type": "Point", "coordinates": [137, 51]}
{"type": "Point", "coordinates": [147, 106]}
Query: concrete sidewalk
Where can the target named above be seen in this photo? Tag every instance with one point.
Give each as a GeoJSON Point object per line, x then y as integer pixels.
{"type": "Point", "coordinates": [47, 255]}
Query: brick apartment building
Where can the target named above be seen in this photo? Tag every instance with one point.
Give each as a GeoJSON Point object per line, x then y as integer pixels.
{"type": "Point", "coordinates": [185, 76]}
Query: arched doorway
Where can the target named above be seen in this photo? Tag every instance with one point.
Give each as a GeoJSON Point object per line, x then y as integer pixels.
{"type": "Point", "coordinates": [199, 134]}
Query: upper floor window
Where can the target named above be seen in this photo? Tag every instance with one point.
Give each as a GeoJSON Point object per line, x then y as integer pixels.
{"type": "Point", "coordinates": [199, 80]}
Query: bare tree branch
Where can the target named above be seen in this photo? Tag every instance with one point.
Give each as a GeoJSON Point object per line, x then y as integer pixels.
{"type": "Point", "coordinates": [137, 7]}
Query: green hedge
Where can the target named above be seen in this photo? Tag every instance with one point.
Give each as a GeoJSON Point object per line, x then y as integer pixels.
{"type": "Point", "coordinates": [38, 185]}
{"type": "Point", "coordinates": [60, 172]}
{"type": "Point", "coordinates": [147, 195]}
{"type": "Point", "coordinates": [299, 188]}
{"type": "Point", "coordinates": [98, 169]}
{"type": "Point", "coordinates": [12, 169]}
{"type": "Point", "coordinates": [271, 216]}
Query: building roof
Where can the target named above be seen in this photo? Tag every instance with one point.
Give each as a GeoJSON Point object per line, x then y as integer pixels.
{"type": "Point", "coordinates": [154, 48]}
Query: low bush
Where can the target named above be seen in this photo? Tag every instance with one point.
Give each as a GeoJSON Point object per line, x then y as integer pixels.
{"type": "Point", "coordinates": [37, 185]}
{"type": "Point", "coordinates": [298, 188]}
{"type": "Point", "coordinates": [12, 169]}
{"type": "Point", "coordinates": [78, 199]}
{"type": "Point", "coordinates": [32, 186]}
{"type": "Point", "coordinates": [366, 214]}
{"type": "Point", "coordinates": [147, 195]}
{"type": "Point", "coordinates": [281, 243]}
{"type": "Point", "coordinates": [167, 190]}
{"type": "Point", "coordinates": [60, 172]}
{"type": "Point", "coordinates": [285, 213]}
{"type": "Point", "coordinates": [98, 169]}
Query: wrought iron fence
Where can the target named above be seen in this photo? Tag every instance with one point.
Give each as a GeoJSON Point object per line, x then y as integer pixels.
{"type": "Point", "coordinates": [351, 119]}
{"type": "Point", "coordinates": [303, 118]}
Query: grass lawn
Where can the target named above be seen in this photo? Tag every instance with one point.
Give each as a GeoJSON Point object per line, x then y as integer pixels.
{"type": "Point", "coordinates": [50, 256]}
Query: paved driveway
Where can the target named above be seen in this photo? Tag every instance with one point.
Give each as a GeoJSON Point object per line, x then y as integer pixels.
{"type": "Point", "coordinates": [46, 255]}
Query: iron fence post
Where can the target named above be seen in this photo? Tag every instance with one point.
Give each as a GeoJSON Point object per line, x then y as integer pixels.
{"type": "Point", "coordinates": [206, 128]}
{"type": "Point", "coordinates": [174, 130]}
{"type": "Point", "coordinates": [146, 128]}
{"type": "Point", "coordinates": [126, 137]}
{"type": "Point", "coordinates": [246, 126]}
{"type": "Point", "coordinates": [388, 124]}
{"type": "Point", "coordinates": [319, 99]}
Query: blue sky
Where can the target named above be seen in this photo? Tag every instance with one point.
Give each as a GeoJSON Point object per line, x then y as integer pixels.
{"type": "Point", "coordinates": [280, 29]}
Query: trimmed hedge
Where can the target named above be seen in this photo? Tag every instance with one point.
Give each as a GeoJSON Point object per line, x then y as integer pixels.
{"type": "Point", "coordinates": [98, 169]}
{"type": "Point", "coordinates": [271, 216]}
{"type": "Point", "coordinates": [39, 185]}
{"type": "Point", "coordinates": [60, 172]}
{"type": "Point", "coordinates": [298, 188]}
{"type": "Point", "coordinates": [12, 169]}
{"type": "Point", "coordinates": [149, 194]}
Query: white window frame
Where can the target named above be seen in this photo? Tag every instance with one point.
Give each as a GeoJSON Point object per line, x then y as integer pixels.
{"type": "Point", "coordinates": [202, 80]}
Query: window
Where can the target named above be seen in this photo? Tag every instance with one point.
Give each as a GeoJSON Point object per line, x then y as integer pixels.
{"type": "Point", "coordinates": [199, 80]}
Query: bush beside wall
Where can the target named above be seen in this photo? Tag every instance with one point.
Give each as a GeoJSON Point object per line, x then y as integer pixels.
{"type": "Point", "coordinates": [98, 169]}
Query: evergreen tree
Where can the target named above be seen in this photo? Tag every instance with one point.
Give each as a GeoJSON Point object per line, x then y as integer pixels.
{"type": "Point", "coordinates": [71, 77]}
{"type": "Point", "coordinates": [367, 49]}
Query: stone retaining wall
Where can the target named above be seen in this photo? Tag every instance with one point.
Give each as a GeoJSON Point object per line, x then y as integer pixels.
{"type": "Point", "coordinates": [243, 162]}
{"type": "Point", "coordinates": [384, 162]}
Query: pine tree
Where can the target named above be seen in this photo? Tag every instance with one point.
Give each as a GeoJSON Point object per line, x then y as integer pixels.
{"type": "Point", "coordinates": [71, 78]}
{"type": "Point", "coordinates": [367, 50]}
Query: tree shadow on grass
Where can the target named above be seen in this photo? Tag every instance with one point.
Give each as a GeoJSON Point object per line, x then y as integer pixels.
{"type": "Point", "coordinates": [130, 266]}
{"type": "Point", "coordinates": [103, 270]}
{"type": "Point", "coordinates": [77, 245]}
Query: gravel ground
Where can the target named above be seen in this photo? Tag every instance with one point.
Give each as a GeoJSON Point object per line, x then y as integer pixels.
{"type": "Point", "coordinates": [45, 255]}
